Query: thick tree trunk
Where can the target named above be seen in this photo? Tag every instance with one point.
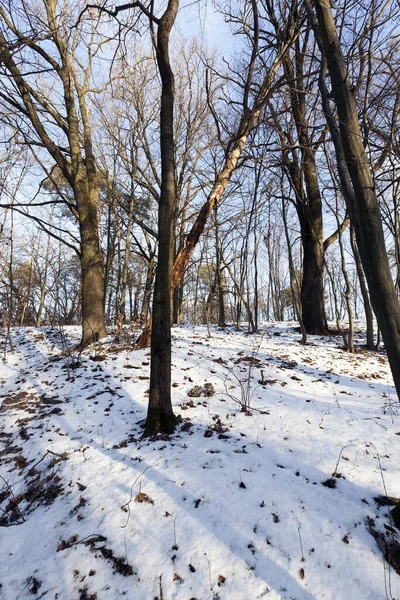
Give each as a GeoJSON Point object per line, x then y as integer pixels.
{"type": "Point", "coordinates": [312, 286]}
{"type": "Point", "coordinates": [77, 163]}
{"type": "Point", "coordinates": [93, 327]}
{"type": "Point", "coordinates": [308, 202]}
{"type": "Point", "coordinates": [344, 178]}
{"type": "Point", "coordinates": [365, 214]}
{"type": "Point", "coordinates": [309, 211]}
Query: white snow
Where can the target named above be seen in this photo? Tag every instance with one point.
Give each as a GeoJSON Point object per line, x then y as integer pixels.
{"type": "Point", "coordinates": [240, 515]}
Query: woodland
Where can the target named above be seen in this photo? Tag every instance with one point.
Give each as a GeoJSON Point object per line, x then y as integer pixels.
{"type": "Point", "coordinates": [153, 180]}
{"type": "Point", "coordinates": [216, 174]}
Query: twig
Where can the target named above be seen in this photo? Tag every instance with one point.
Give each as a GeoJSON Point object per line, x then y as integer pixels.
{"type": "Point", "coordinates": [9, 488]}
{"type": "Point", "coordinates": [175, 546]}
{"type": "Point", "coordinates": [127, 504]}
{"type": "Point", "coordinates": [209, 575]}
{"type": "Point", "coordinates": [301, 544]}
{"type": "Point", "coordinates": [388, 584]}
{"type": "Point", "coordinates": [44, 456]}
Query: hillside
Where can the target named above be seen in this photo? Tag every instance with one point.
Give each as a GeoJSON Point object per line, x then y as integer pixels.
{"type": "Point", "coordinates": [273, 486]}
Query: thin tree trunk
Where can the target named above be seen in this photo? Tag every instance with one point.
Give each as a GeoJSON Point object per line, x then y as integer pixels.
{"type": "Point", "coordinates": [178, 291]}
{"type": "Point", "coordinates": [121, 299]}
{"type": "Point", "coordinates": [27, 295]}
{"type": "Point", "coordinates": [160, 416]}
{"type": "Point", "coordinates": [43, 286]}
{"type": "Point", "coordinates": [218, 275]}
{"type": "Point", "coordinates": [256, 295]}
{"type": "Point", "coordinates": [336, 305]}
{"type": "Point", "coordinates": [241, 297]}
{"type": "Point", "coordinates": [349, 345]}
{"type": "Point", "coordinates": [148, 287]}
{"type": "Point", "coordinates": [369, 315]}
{"type": "Point", "coordinates": [109, 252]}
{"type": "Point", "coordinates": [294, 284]}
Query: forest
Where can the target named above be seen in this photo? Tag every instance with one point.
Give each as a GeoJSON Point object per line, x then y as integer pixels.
{"type": "Point", "coordinates": [200, 211]}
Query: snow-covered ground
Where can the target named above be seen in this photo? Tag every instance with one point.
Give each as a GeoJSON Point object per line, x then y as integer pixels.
{"type": "Point", "coordinates": [276, 502]}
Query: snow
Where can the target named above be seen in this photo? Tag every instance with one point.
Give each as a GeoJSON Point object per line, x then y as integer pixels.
{"type": "Point", "coordinates": [232, 506]}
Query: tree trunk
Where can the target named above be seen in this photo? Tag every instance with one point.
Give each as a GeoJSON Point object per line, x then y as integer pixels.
{"type": "Point", "coordinates": [147, 290]}
{"type": "Point", "coordinates": [312, 287]}
{"type": "Point", "coordinates": [92, 267]}
{"type": "Point", "coordinates": [160, 416]}
{"type": "Point", "coordinates": [177, 297]}
{"type": "Point", "coordinates": [349, 344]}
{"type": "Point", "coordinates": [369, 316]}
{"type": "Point", "coordinates": [365, 213]}
{"type": "Point", "coordinates": [121, 297]}
{"type": "Point", "coordinates": [237, 143]}
{"type": "Point", "coordinates": [294, 284]}
{"type": "Point", "coordinates": [110, 251]}
{"type": "Point", "coordinates": [218, 275]}
{"type": "Point", "coordinates": [177, 304]}
{"type": "Point", "coordinates": [308, 201]}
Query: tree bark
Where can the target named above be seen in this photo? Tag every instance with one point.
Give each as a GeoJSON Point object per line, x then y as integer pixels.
{"type": "Point", "coordinates": [218, 275]}
{"type": "Point", "coordinates": [148, 286]}
{"type": "Point", "coordinates": [92, 269]}
{"type": "Point", "coordinates": [77, 163]}
{"type": "Point", "coordinates": [308, 203]}
{"type": "Point", "coordinates": [160, 416]}
{"type": "Point", "coordinates": [312, 286]}
{"type": "Point", "coordinates": [369, 316]}
{"type": "Point", "coordinates": [365, 214]}
{"type": "Point", "coordinates": [237, 143]}
{"type": "Point", "coordinates": [294, 284]}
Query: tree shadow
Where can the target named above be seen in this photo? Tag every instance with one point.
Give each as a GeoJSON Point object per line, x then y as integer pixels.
{"type": "Point", "coordinates": [276, 479]}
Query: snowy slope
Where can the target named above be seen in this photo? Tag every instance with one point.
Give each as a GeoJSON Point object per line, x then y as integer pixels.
{"type": "Point", "coordinates": [233, 506]}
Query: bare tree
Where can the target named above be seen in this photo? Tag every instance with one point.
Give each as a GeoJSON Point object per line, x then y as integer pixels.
{"type": "Point", "coordinates": [51, 113]}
